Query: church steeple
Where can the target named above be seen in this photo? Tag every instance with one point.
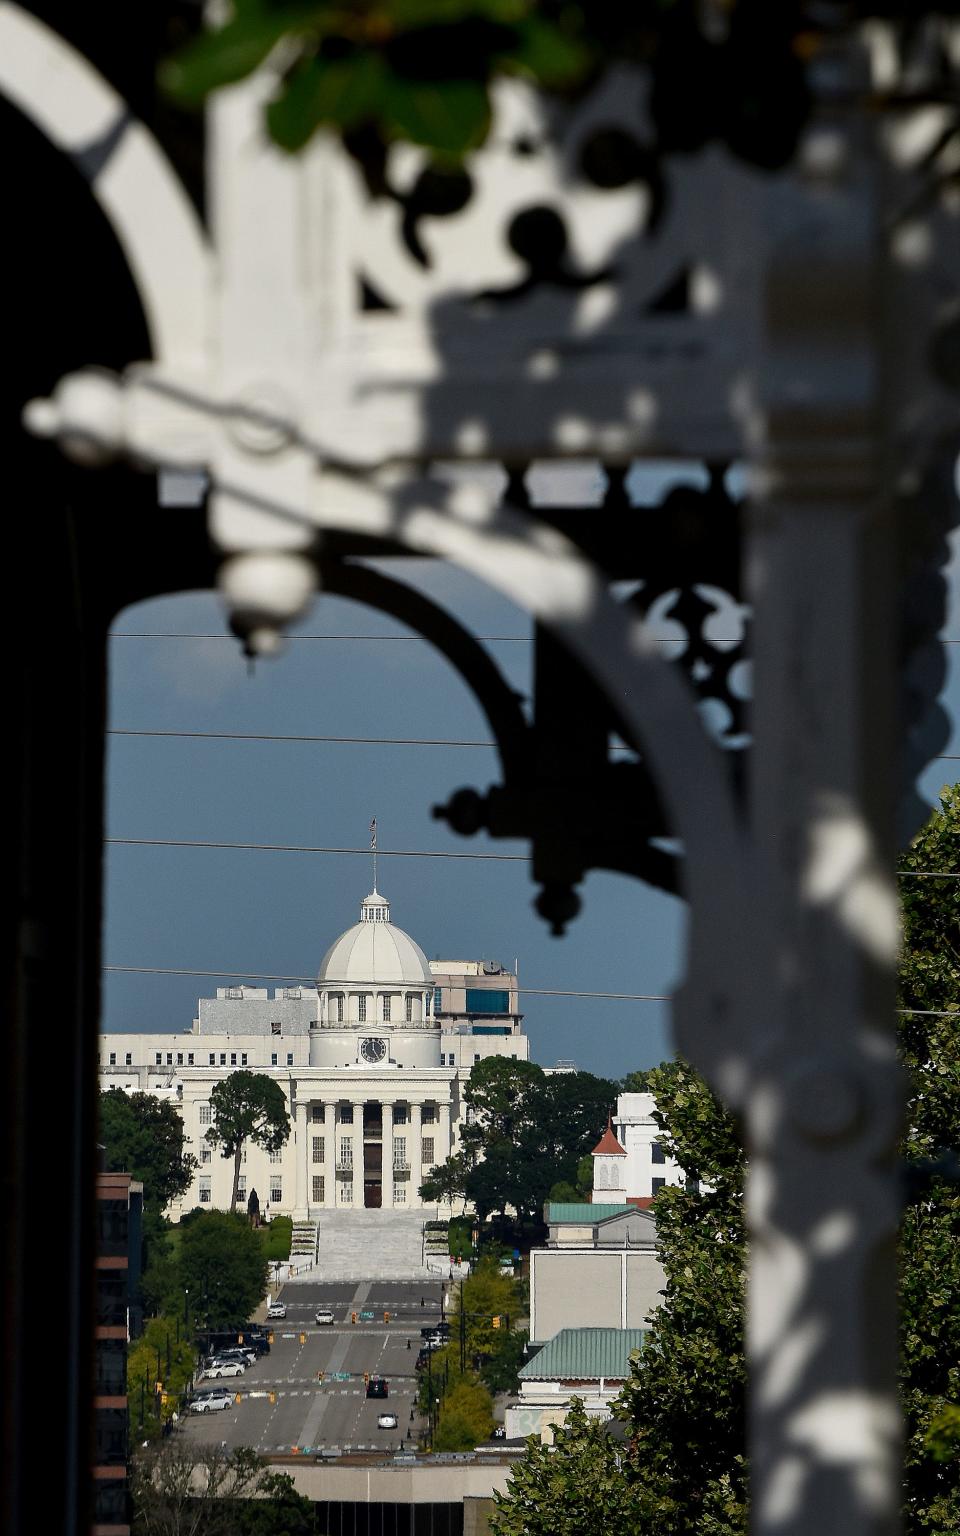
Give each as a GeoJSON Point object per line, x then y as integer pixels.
{"type": "Point", "coordinates": [374, 908]}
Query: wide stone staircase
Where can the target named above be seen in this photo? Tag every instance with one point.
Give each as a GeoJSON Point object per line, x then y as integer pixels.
{"type": "Point", "coordinates": [303, 1242]}
{"type": "Point", "coordinates": [367, 1245]}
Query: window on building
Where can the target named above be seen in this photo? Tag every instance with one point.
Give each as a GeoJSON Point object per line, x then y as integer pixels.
{"type": "Point", "coordinates": [362, 1007]}
{"type": "Point", "coordinates": [340, 1008]}
{"type": "Point", "coordinates": [486, 1000]}
{"type": "Point", "coordinates": [111, 1297]}
{"type": "Point", "coordinates": [158, 1060]}
{"type": "Point", "coordinates": [387, 1005]}
{"type": "Point", "coordinates": [399, 1151]}
{"type": "Point", "coordinates": [345, 1160]}
{"type": "Point", "coordinates": [233, 1058]}
{"type": "Point", "coordinates": [204, 1191]}
{"type": "Point", "coordinates": [113, 1058]}
{"type": "Point", "coordinates": [409, 1007]}
{"type": "Point", "coordinates": [189, 1058]}
{"type": "Point", "coordinates": [243, 1059]}
{"type": "Point", "coordinates": [276, 1192]}
{"type": "Point", "coordinates": [169, 1058]}
{"type": "Point", "coordinates": [345, 1114]}
{"type": "Point", "coordinates": [316, 1113]}
{"type": "Point", "coordinates": [213, 1059]}
{"type": "Point", "coordinates": [276, 1028]}
{"type": "Point", "coordinates": [206, 1156]}
{"type": "Point", "coordinates": [318, 1149]}
{"type": "Point", "coordinates": [243, 1154]}
{"type": "Point", "coordinates": [428, 1114]}
{"type": "Point", "coordinates": [399, 1114]}
{"type": "Point", "coordinates": [346, 1192]}
{"type": "Point", "coordinates": [242, 1190]}
{"type": "Point", "coordinates": [399, 1194]}
{"type": "Point", "coordinates": [476, 1057]}
{"type": "Point", "coordinates": [657, 1184]}
{"type": "Point", "coordinates": [223, 1058]}
{"type": "Point", "coordinates": [276, 1157]}
{"type": "Point", "coordinates": [657, 1153]}
{"type": "Point", "coordinates": [206, 1114]}
{"type": "Point", "coordinates": [426, 1150]}
{"type": "Point", "coordinates": [273, 1059]}
{"type": "Point", "coordinates": [111, 1366]}
{"type": "Point", "coordinates": [289, 1058]}
{"type": "Point", "coordinates": [318, 1189]}
{"type": "Point", "coordinates": [179, 1058]}
{"type": "Point", "coordinates": [437, 999]}
{"type": "Point", "coordinates": [128, 1059]}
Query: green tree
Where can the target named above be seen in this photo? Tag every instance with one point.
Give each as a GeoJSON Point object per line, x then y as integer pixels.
{"type": "Point", "coordinates": [526, 1132]}
{"type": "Point", "coordinates": [930, 1233]}
{"type": "Point", "coordinates": [447, 1181]}
{"type": "Point", "coordinates": [499, 1373]}
{"type": "Point", "coordinates": [223, 1264]}
{"type": "Point", "coordinates": [182, 1488]}
{"type": "Point", "coordinates": [466, 1416]}
{"type": "Point", "coordinates": [574, 1486]}
{"type": "Point", "coordinates": [158, 1355]}
{"type": "Point", "coordinates": [143, 1136]}
{"type": "Point", "coordinates": [247, 1106]}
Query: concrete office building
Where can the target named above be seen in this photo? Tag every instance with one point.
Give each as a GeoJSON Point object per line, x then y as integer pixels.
{"type": "Point", "coordinates": [372, 1064]}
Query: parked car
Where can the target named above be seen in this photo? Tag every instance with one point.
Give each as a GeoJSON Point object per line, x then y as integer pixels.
{"type": "Point", "coordinates": [440, 1329]}
{"type": "Point", "coordinates": [212, 1402]}
{"type": "Point", "coordinates": [221, 1367]}
{"type": "Point", "coordinates": [387, 1421]}
{"type": "Point", "coordinates": [277, 1309]}
{"type": "Point", "coordinates": [324, 1315]}
{"type": "Point", "coordinates": [377, 1387]}
{"type": "Point", "coordinates": [246, 1356]}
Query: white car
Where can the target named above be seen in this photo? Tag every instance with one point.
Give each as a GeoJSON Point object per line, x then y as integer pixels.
{"type": "Point", "coordinates": [211, 1402]}
{"type": "Point", "coordinates": [324, 1316]}
{"type": "Point", "coordinates": [223, 1368]}
{"type": "Point", "coordinates": [277, 1309]}
{"type": "Point", "coordinates": [387, 1421]}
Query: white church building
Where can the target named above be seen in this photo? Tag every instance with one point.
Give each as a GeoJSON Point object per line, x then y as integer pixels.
{"type": "Point", "coordinates": [371, 1063]}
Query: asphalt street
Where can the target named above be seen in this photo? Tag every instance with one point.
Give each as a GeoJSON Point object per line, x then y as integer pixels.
{"type": "Point", "coordinates": [309, 1415]}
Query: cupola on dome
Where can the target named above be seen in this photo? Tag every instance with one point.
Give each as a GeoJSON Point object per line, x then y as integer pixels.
{"type": "Point", "coordinates": [374, 952]}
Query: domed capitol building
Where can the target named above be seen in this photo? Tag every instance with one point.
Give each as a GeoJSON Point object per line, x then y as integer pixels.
{"type": "Point", "coordinates": [372, 1065]}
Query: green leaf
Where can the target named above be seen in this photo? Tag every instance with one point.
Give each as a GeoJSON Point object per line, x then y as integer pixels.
{"type": "Point", "coordinates": [550, 55]}
{"type": "Point", "coordinates": [233, 52]}
{"type": "Point", "coordinates": [341, 91]}
{"type": "Point", "coordinates": [449, 116]}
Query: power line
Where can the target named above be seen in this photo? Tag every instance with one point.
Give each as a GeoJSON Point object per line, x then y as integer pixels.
{"type": "Point", "coordinates": [408, 853]}
{"type": "Point", "coordinates": [137, 634]}
{"type": "Point", "coordinates": [386, 853]}
{"type": "Point", "coordinates": [310, 981]}
{"type": "Point", "coordinates": [367, 741]}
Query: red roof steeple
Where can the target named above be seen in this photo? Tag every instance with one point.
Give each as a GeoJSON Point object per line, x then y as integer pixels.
{"type": "Point", "coordinates": [608, 1145]}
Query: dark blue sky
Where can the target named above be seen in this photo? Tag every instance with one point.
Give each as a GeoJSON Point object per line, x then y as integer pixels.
{"type": "Point", "coordinates": [277, 912]}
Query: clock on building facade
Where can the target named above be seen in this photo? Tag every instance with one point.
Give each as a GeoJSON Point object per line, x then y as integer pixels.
{"type": "Point", "coordinates": [373, 1050]}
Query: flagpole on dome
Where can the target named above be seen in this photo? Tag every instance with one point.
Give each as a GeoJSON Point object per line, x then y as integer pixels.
{"type": "Point", "coordinates": [373, 849]}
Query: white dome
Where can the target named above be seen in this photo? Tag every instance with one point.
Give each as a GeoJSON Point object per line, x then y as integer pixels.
{"type": "Point", "coordinates": [374, 952]}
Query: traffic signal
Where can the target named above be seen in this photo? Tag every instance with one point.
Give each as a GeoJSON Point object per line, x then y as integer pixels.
{"type": "Point", "coordinates": [237, 1397]}
{"type": "Point", "coordinates": [319, 1375]}
{"type": "Point", "coordinates": [163, 1399]}
{"type": "Point", "coordinates": [158, 1387]}
{"type": "Point", "coordinates": [273, 1397]}
{"type": "Point", "coordinates": [366, 1378]}
{"type": "Point", "coordinates": [353, 1317]}
{"type": "Point", "coordinates": [239, 1338]}
{"type": "Point", "coordinates": [269, 1338]}
{"type": "Point", "coordinates": [386, 1317]}
{"type": "Point", "coordinates": [496, 1322]}
{"type": "Point", "coordinates": [303, 1338]}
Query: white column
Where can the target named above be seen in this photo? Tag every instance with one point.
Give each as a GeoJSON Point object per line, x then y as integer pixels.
{"type": "Point", "coordinates": [357, 1151]}
{"type": "Point", "coordinates": [300, 1203]}
{"type": "Point", "coordinates": [386, 1177]}
{"type": "Point", "coordinates": [416, 1165]}
{"type": "Point", "coordinates": [443, 1147]}
{"type": "Point", "coordinates": [329, 1153]}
